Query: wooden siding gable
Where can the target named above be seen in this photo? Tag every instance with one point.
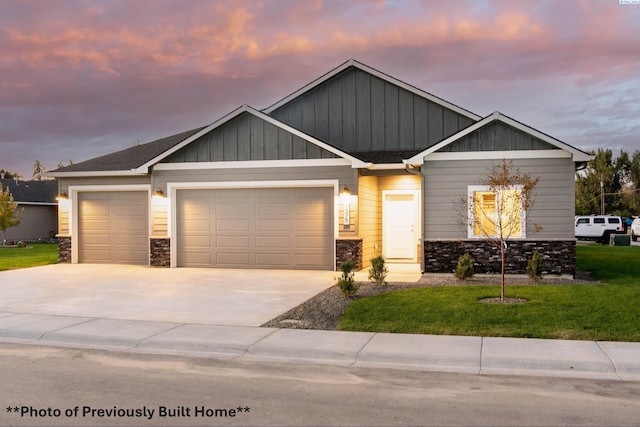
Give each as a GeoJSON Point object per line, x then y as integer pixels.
{"type": "Point", "coordinates": [249, 135]}
{"type": "Point", "coordinates": [498, 133]}
{"type": "Point", "coordinates": [359, 109]}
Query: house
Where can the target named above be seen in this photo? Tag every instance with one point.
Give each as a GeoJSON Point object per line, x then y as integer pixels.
{"type": "Point", "coordinates": [353, 165]}
{"type": "Point", "coordinates": [38, 200]}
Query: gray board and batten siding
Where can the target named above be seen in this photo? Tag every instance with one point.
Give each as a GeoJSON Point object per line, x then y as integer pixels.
{"type": "Point", "coordinates": [497, 136]}
{"type": "Point", "coordinates": [356, 111]}
{"type": "Point", "coordinates": [248, 137]}
{"type": "Point", "coordinates": [445, 183]}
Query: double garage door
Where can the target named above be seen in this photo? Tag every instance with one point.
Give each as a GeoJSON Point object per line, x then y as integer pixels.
{"type": "Point", "coordinates": [255, 228]}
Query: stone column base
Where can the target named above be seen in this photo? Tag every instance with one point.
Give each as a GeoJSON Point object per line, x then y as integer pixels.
{"type": "Point", "coordinates": [64, 249]}
{"type": "Point", "coordinates": [160, 252]}
{"type": "Point", "coordinates": [349, 249]}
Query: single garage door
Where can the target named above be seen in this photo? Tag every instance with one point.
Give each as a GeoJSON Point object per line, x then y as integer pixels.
{"type": "Point", "coordinates": [289, 228]}
{"type": "Point", "coordinates": [113, 227]}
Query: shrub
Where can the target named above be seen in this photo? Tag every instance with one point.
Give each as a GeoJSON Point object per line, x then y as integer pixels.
{"type": "Point", "coordinates": [378, 270]}
{"type": "Point", "coordinates": [535, 266]}
{"type": "Point", "coordinates": [346, 283]}
{"type": "Point", "coordinates": [21, 244]}
{"type": "Point", "coordinates": [464, 269]}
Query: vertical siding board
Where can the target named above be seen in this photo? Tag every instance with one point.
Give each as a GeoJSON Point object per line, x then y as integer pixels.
{"type": "Point", "coordinates": [244, 137]}
{"type": "Point", "coordinates": [257, 139]}
{"type": "Point", "coordinates": [348, 89]}
{"type": "Point", "coordinates": [217, 142]}
{"type": "Point", "coordinates": [298, 149]}
{"type": "Point", "coordinates": [363, 111]}
{"type": "Point", "coordinates": [307, 110]}
{"type": "Point", "coordinates": [377, 114]}
{"type": "Point", "coordinates": [284, 145]}
{"type": "Point", "coordinates": [435, 129]}
{"type": "Point", "coordinates": [313, 151]}
{"type": "Point", "coordinates": [391, 117]}
{"type": "Point", "coordinates": [190, 153]}
{"type": "Point", "coordinates": [321, 119]}
{"type": "Point", "coordinates": [450, 122]}
{"type": "Point", "coordinates": [421, 122]}
{"type": "Point", "coordinates": [270, 142]}
{"type": "Point", "coordinates": [406, 139]}
{"type": "Point", "coordinates": [202, 145]}
{"type": "Point", "coordinates": [335, 114]}
{"type": "Point", "coordinates": [230, 136]}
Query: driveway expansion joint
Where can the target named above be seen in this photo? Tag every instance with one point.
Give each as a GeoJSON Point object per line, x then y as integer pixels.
{"type": "Point", "coordinates": [67, 327]}
{"type": "Point", "coordinates": [613, 363]}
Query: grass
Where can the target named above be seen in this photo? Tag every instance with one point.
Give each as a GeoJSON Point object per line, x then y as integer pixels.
{"type": "Point", "coordinates": [34, 255]}
{"type": "Point", "coordinates": [608, 311]}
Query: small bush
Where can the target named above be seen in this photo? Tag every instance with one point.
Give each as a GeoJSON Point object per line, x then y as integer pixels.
{"type": "Point", "coordinates": [378, 270]}
{"type": "Point", "coordinates": [346, 283]}
{"type": "Point", "coordinates": [464, 269]}
{"type": "Point", "coordinates": [21, 244]}
{"type": "Point", "coordinates": [535, 266]}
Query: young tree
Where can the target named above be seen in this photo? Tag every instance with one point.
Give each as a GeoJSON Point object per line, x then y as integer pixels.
{"type": "Point", "coordinates": [9, 175]}
{"type": "Point", "coordinates": [500, 210]}
{"type": "Point", "coordinates": [10, 215]}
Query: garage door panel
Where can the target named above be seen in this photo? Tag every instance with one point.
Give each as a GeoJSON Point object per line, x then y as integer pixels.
{"type": "Point", "coordinates": [223, 225]}
{"type": "Point", "coordinates": [93, 225]}
{"type": "Point", "coordinates": [257, 228]}
{"type": "Point", "coordinates": [202, 241]}
{"type": "Point", "coordinates": [97, 239]}
{"type": "Point", "coordinates": [232, 209]}
{"type": "Point", "coordinates": [131, 225]}
{"type": "Point", "coordinates": [128, 256]}
{"type": "Point", "coordinates": [273, 241]}
{"type": "Point", "coordinates": [131, 240]}
{"type": "Point", "coordinates": [233, 258]}
{"type": "Point", "coordinates": [272, 225]}
{"type": "Point", "coordinates": [270, 259]}
{"type": "Point", "coordinates": [232, 241]}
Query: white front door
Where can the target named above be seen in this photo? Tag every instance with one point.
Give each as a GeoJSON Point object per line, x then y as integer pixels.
{"type": "Point", "coordinates": [400, 226]}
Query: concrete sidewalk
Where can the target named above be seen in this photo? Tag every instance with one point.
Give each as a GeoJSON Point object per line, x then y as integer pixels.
{"type": "Point", "coordinates": [475, 355]}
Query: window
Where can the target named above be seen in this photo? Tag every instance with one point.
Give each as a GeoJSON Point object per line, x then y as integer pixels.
{"type": "Point", "coordinates": [495, 213]}
{"type": "Point", "coordinates": [598, 220]}
{"type": "Point", "coordinates": [583, 221]}
{"type": "Point", "coordinates": [614, 220]}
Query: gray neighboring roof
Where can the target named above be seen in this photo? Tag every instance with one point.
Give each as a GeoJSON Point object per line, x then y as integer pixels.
{"type": "Point", "coordinates": [32, 192]}
{"type": "Point", "coordinates": [129, 158]}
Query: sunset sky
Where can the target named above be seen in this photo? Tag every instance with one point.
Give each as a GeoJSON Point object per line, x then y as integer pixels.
{"type": "Point", "coordinates": [80, 78]}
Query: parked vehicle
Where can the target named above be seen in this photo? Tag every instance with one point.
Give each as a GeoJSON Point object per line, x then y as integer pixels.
{"type": "Point", "coordinates": [598, 227]}
{"type": "Point", "coordinates": [635, 229]}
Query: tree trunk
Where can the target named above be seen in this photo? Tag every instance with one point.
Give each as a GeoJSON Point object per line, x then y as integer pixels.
{"type": "Point", "coordinates": [502, 272]}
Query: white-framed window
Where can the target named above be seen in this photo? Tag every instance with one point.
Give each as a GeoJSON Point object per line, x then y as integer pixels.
{"type": "Point", "coordinates": [495, 213]}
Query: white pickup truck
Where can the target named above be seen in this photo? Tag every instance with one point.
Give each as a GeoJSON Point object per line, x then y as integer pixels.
{"type": "Point", "coordinates": [598, 227]}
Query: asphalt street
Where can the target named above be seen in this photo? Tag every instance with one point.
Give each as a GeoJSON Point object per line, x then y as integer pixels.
{"type": "Point", "coordinates": [54, 386]}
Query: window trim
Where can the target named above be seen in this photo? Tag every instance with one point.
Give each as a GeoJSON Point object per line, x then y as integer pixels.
{"type": "Point", "coordinates": [471, 190]}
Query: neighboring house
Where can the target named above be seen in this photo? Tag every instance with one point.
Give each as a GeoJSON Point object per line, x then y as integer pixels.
{"type": "Point", "coordinates": [38, 199]}
{"type": "Point", "coordinates": [262, 189]}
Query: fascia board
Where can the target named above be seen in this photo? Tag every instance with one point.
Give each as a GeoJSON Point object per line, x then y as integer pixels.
{"type": "Point", "coordinates": [79, 174]}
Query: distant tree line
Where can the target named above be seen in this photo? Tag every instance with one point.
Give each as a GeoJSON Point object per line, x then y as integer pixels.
{"type": "Point", "coordinates": [609, 181]}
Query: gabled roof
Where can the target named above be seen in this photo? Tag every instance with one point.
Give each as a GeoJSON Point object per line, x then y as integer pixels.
{"type": "Point", "coordinates": [32, 192]}
{"type": "Point", "coordinates": [379, 74]}
{"type": "Point", "coordinates": [247, 109]}
{"type": "Point", "coordinates": [124, 162]}
{"type": "Point", "coordinates": [577, 155]}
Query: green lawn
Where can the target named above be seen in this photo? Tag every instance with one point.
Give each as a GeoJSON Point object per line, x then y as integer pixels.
{"type": "Point", "coordinates": [606, 311]}
{"type": "Point", "coordinates": [36, 254]}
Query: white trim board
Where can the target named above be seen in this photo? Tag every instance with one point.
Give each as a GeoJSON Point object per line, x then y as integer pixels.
{"type": "Point", "coordinates": [489, 155]}
{"type": "Point", "coordinates": [253, 164]}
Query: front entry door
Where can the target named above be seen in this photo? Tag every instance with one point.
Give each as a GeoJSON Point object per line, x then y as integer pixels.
{"type": "Point", "coordinates": [400, 224]}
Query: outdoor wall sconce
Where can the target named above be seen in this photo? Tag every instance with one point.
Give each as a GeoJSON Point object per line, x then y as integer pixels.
{"type": "Point", "coordinates": [158, 193]}
{"type": "Point", "coordinates": [345, 196]}
{"type": "Point", "coordinates": [62, 196]}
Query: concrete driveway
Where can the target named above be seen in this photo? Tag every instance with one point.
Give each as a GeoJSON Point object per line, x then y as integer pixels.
{"type": "Point", "coordinates": [179, 295]}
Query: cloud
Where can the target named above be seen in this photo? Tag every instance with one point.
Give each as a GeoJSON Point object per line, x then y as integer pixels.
{"type": "Point", "coordinates": [80, 77]}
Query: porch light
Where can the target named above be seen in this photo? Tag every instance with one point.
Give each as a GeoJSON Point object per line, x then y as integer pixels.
{"type": "Point", "coordinates": [345, 191]}
{"type": "Point", "coordinates": [62, 196]}
{"type": "Point", "coordinates": [158, 193]}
